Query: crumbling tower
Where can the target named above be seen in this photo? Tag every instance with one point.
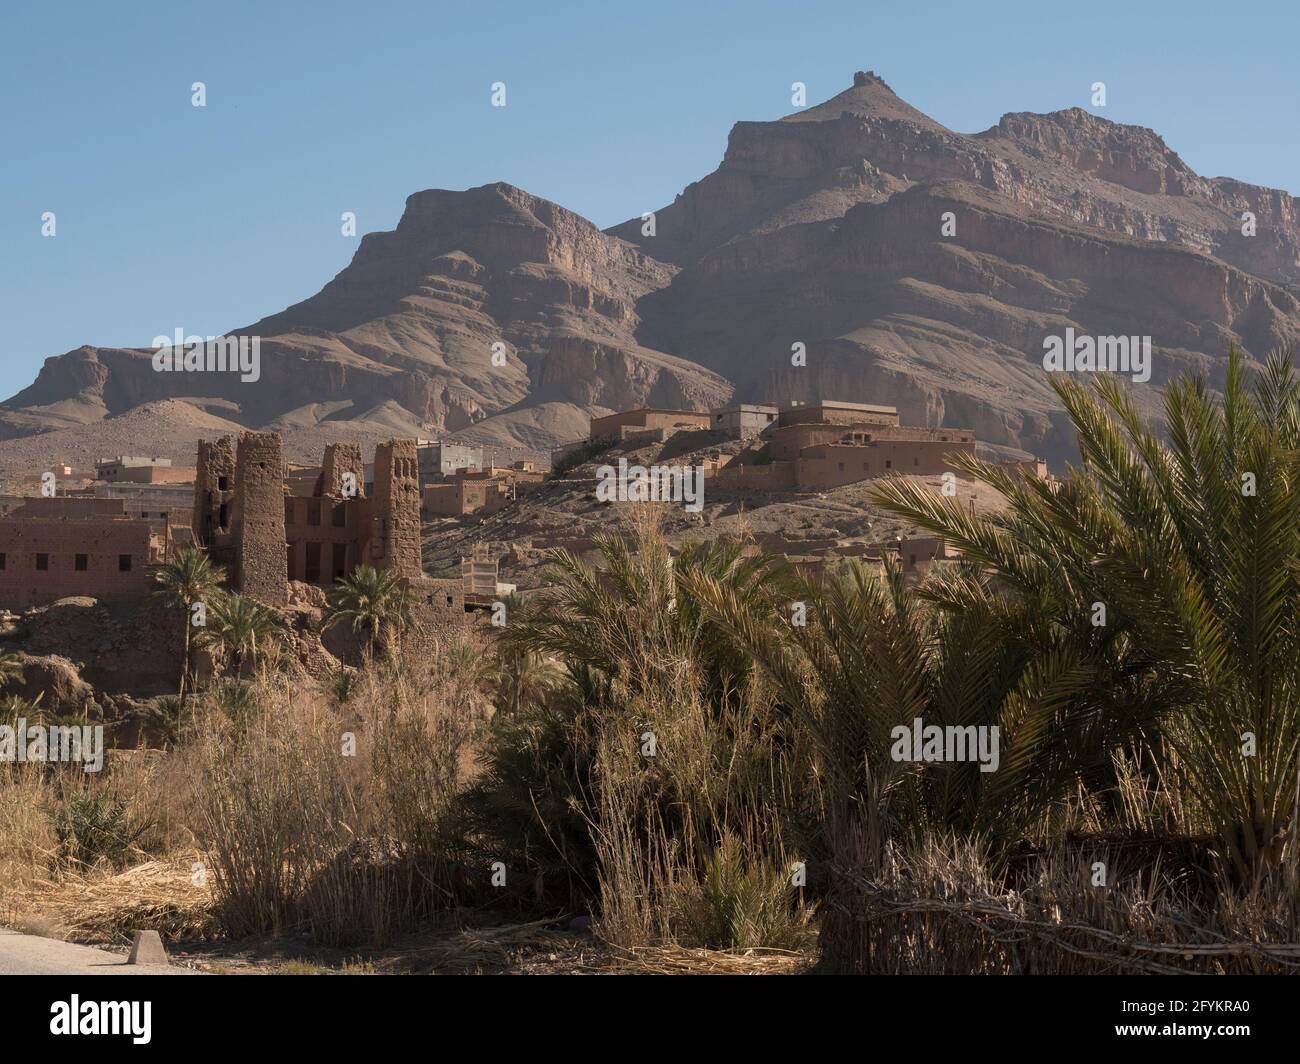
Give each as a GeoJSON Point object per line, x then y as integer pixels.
{"type": "Point", "coordinates": [260, 547]}
{"type": "Point", "coordinates": [214, 490]}
{"type": "Point", "coordinates": [340, 459]}
{"type": "Point", "coordinates": [395, 513]}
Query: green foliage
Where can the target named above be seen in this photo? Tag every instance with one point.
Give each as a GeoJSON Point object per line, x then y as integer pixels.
{"type": "Point", "coordinates": [343, 684]}
{"type": "Point", "coordinates": [1193, 548]}
{"type": "Point", "coordinates": [739, 903]}
{"type": "Point", "coordinates": [93, 826]}
{"type": "Point", "coordinates": [240, 629]}
{"type": "Point", "coordinates": [373, 602]}
{"type": "Point", "coordinates": [188, 578]}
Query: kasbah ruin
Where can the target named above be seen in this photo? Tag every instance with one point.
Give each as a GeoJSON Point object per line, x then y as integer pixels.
{"type": "Point", "coordinates": [79, 553]}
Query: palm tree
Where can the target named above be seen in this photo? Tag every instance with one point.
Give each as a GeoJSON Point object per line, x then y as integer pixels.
{"type": "Point", "coordinates": [240, 628]}
{"type": "Point", "coordinates": [1192, 549]}
{"type": "Point", "coordinates": [187, 579]}
{"type": "Point", "coordinates": [868, 655]}
{"type": "Point", "coordinates": [374, 601]}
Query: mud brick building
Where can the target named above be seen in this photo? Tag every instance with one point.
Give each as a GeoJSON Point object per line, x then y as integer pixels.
{"type": "Point", "coordinates": [247, 517]}
{"type": "Point", "coordinates": [58, 547]}
{"type": "Point", "coordinates": [129, 469]}
{"type": "Point", "coordinates": [659, 424]}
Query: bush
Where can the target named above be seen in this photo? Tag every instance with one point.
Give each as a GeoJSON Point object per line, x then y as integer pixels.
{"type": "Point", "coordinates": [94, 826]}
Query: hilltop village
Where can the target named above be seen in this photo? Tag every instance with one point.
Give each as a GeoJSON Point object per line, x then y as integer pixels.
{"type": "Point", "coordinates": [79, 549]}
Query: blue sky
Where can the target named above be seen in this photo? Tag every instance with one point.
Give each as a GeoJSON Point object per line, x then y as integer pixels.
{"type": "Point", "coordinates": [209, 218]}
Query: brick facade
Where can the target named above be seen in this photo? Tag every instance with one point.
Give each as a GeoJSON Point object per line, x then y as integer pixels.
{"type": "Point", "coordinates": [59, 547]}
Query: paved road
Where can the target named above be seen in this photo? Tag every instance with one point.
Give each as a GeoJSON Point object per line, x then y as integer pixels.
{"type": "Point", "coordinates": [30, 955]}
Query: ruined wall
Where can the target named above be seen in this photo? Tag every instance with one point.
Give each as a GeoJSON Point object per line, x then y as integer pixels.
{"type": "Point", "coordinates": [258, 518]}
{"type": "Point", "coordinates": [214, 499]}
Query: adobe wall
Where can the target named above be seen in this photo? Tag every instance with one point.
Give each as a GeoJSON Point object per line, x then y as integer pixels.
{"type": "Point", "coordinates": [323, 537]}
{"type": "Point", "coordinates": [104, 543]}
{"type": "Point", "coordinates": [785, 442]}
{"type": "Point", "coordinates": [831, 414]}
{"type": "Point", "coordinates": [73, 507]}
{"type": "Point", "coordinates": [775, 476]}
{"type": "Point", "coordinates": [151, 475]}
{"type": "Point", "coordinates": [832, 465]}
{"type": "Point", "coordinates": [466, 496]}
{"type": "Point", "coordinates": [258, 519]}
{"type": "Point", "coordinates": [616, 426]}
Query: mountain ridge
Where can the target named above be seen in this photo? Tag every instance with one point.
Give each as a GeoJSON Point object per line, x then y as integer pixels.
{"type": "Point", "coordinates": [822, 227]}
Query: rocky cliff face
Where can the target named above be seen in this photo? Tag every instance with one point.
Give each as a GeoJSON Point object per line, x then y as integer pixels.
{"type": "Point", "coordinates": [827, 228]}
{"type": "Point", "coordinates": [917, 265]}
{"type": "Point", "coordinates": [479, 302]}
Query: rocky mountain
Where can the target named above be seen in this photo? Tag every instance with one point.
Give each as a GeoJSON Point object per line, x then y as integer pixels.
{"type": "Point", "coordinates": [917, 266]}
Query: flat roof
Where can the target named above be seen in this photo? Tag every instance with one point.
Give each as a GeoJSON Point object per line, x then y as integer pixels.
{"type": "Point", "coordinates": [835, 404]}
{"type": "Point", "coordinates": [651, 410]}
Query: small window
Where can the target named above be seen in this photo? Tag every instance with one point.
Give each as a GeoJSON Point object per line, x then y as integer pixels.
{"type": "Point", "coordinates": [223, 516]}
{"type": "Point", "coordinates": [80, 563]}
{"type": "Point", "coordinates": [144, 513]}
{"type": "Point", "coordinates": [841, 465]}
{"type": "Point", "coordinates": [340, 515]}
{"type": "Point", "coordinates": [42, 562]}
{"type": "Point", "coordinates": [223, 483]}
{"type": "Point", "coordinates": [450, 601]}
{"type": "Point", "coordinates": [2, 561]}
{"type": "Point", "coordinates": [889, 464]}
{"type": "Point", "coordinates": [124, 563]}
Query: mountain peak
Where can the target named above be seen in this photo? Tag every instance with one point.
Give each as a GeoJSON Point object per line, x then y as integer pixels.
{"type": "Point", "coordinates": [868, 97]}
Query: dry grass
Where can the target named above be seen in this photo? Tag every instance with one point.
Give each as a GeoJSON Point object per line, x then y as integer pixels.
{"type": "Point", "coordinates": [679, 960]}
{"type": "Point", "coordinates": [936, 907]}
{"type": "Point", "coordinates": [28, 845]}
{"type": "Point", "coordinates": [159, 895]}
{"type": "Point", "coordinates": [342, 823]}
